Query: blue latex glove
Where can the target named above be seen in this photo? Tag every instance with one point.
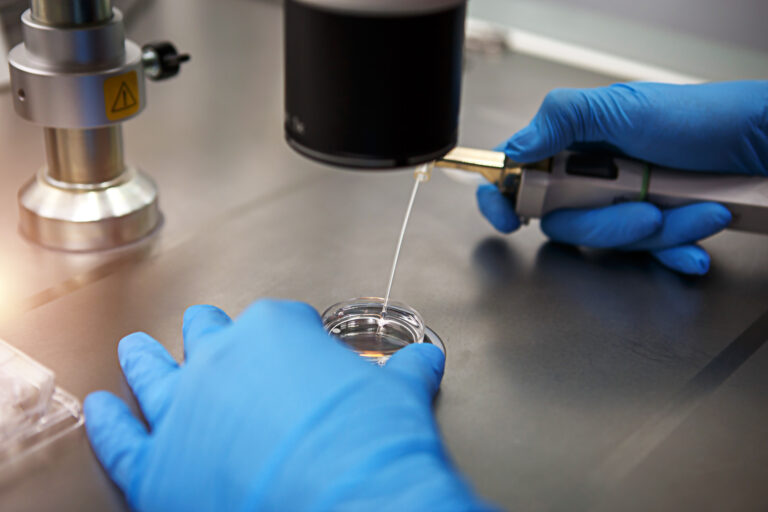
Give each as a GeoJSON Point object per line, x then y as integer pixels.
{"type": "Point", "coordinates": [719, 127]}
{"type": "Point", "coordinates": [270, 413]}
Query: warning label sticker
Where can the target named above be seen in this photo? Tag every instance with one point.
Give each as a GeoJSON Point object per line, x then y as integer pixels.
{"type": "Point", "coordinates": [121, 96]}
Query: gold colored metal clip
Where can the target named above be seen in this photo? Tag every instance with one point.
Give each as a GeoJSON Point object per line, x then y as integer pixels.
{"type": "Point", "coordinates": [494, 166]}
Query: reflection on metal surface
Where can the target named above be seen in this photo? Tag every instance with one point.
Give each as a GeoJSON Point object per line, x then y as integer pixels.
{"type": "Point", "coordinates": [84, 156]}
{"type": "Point", "coordinates": [80, 12]}
{"type": "Point", "coordinates": [77, 76]}
{"type": "Point", "coordinates": [86, 198]}
{"type": "Point", "coordinates": [143, 249]}
{"type": "Point", "coordinates": [638, 446]}
{"type": "Point", "coordinates": [132, 256]}
{"type": "Point", "coordinates": [88, 217]}
{"type": "Point", "coordinates": [494, 166]}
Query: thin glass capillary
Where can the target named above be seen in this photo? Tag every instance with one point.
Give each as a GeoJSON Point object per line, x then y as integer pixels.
{"type": "Point", "coordinates": [421, 174]}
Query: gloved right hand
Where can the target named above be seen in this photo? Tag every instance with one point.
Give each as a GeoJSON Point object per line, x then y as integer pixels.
{"type": "Point", "coordinates": [720, 127]}
{"type": "Point", "coordinates": [270, 413]}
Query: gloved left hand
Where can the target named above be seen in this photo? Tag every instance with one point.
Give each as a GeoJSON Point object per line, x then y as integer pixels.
{"type": "Point", "coordinates": [721, 127]}
{"type": "Point", "coordinates": [270, 413]}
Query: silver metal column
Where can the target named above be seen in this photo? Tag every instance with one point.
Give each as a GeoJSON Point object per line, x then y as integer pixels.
{"type": "Point", "coordinates": [78, 77]}
{"type": "Point", "coordinates": [85, 156]}
{"type": "Point", "coordinates": [67, 13]}
{"type": "Point", "coordinates": [80, 156]}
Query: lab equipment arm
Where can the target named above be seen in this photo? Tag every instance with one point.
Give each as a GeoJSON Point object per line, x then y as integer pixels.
{"type": "Point", "coordinates": [270, 413]}
{"type": "Point", "coordinates": [719, 127]}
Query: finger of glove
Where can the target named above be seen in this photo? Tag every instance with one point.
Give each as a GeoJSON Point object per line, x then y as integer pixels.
{"type": "Point", "coordinates": [498, 209]}
{"type": "Point", "coordinates": [284, 330]}
{"type": "Point", "coordinates": [421, 363]}
{"type": "Point", "coordinates": [117, 438]}
{"type": "Point", "coordinates": [602, 228]}
{"type": "Point", "coordinates": [281, 313]}
{"type": "Point", "coordinates": [567, 116]}
{"type": "Point", "coordinates": [685, 225]}
{"type": "Point", "coordinates": [686, 259]}
{"type": "Point", "coordinates": [653, 121]}
{"type": "Point", "coordinates": [200, 322]}
{"type": "Point", "coordinates": [150, 371]}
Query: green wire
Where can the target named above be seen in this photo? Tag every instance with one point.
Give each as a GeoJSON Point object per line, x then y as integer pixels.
{"type": "Point", "coordinates": [646, 182]}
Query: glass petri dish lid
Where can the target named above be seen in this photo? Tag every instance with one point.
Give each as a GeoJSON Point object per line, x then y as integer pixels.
{"type": "Point", "coordinates": [375, 334]}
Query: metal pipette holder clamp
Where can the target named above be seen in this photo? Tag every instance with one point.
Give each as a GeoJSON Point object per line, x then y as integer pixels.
{"type": "Point", "coordinates": [77, 76]}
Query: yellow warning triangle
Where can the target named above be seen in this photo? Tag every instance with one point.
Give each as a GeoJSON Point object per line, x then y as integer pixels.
{"type": "Point", "coordinates": [125, 99]}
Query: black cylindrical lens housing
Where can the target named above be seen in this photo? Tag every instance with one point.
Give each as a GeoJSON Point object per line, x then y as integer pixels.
{"type": "Point", "coordinates": [372, 89]}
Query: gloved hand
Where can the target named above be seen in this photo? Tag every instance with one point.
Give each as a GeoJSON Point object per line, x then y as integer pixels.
{"type": "Point", "coordinates": [712, 127]}
{"type": "Point", "coordinates": [270, 413]}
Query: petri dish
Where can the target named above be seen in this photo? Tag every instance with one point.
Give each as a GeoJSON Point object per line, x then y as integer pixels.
{"type": "Point", "coordinates": [375, 335]}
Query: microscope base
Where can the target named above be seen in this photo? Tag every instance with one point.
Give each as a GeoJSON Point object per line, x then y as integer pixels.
{"type": "Point", "coordinates": [78, 217]}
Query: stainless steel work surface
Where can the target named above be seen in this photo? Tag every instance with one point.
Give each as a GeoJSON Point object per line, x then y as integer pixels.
{"type": "Point", "coordinates": [575, 380]}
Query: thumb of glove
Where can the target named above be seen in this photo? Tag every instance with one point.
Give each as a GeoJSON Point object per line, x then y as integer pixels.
{"type": "Point", "coordinates": [421, 363]}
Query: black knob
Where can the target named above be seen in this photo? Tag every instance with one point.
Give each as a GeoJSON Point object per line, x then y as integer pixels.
{"type": "Point", "coordinates": [162, 60]}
